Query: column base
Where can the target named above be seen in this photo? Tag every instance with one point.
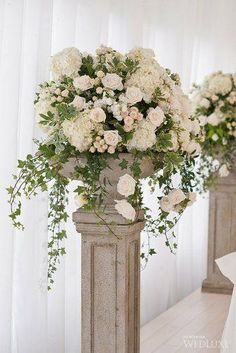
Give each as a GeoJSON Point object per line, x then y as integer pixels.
{"type": "Point", "coordinates": [110, 266]}
{"type": "Point", "coordinates": [217, 285]}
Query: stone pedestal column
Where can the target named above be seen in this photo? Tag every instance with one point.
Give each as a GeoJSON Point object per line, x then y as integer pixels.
{"type": "Point", "coordinates": [110, 283]}
{"type": "Point", "coordinates": [222, 232]}
{"type": "Point", "coordinates": [110, 265]}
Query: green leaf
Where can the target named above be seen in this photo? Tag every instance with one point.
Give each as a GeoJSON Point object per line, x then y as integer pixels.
{"type": "Point", "coordinates": [123, 164]}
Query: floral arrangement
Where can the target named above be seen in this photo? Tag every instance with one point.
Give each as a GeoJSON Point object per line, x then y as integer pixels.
{"type": "Point", "coordinates": [98, 107]}
{"type": "Point", "coordinates": [214, 105]}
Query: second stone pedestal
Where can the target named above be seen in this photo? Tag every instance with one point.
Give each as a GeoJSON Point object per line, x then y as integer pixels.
{"type": "Point", "coordinates": [222, 232]}
{"type": "Point", "coordinates": [110, 283]}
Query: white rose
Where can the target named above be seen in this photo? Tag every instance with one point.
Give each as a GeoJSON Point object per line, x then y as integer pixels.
{"type": "Point", "coordinates": [156, 116]}
{"type": "Point", "coordinates": [202, 119]}
{"type": "Point", "coordinates": [215, 137]}
{"type": "Point", "coordinates": [195, 127]}
{"type": "Point", "coordinates": [80, 200]}
{"type": "Point", "coordinates": [112, 81]}
{"type": "Point", "coordinates": [78, 102]}
{"type": "Point", "coordinates": [83, 82]}
{"type": "Point", "coordinates": [193, 147]}
{"type": "Point", "coordinates": [97, 115]}
{"type": "Point", "coordinates": [128, 120]}
{"type": "Point", "coordinates": [66, 63]}
{"type": "Point", "coordinates": [223, 171]}
{"type": "Point", "coordinates": [213, 119]}
{"type": "Point", "coordinates": [165, 204]}
{"type": "Point", "coordinates": [192, 196]}
{"type": "Point", "coordinates": [126, 185]}
{"type": "Point", "coordinates": [176, 196]}
{"type": "Point", "coordinates": [205, 103]}
{"type": "Point", "coordinates": [124, 208]}
{"type": "Point", "coordinates": [133, 95]}
{"type": "Point", "coordinates": [111, 137]}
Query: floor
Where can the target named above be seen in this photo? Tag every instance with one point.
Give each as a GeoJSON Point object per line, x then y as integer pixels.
{"type": "Point", "coordinates": [195, 324]}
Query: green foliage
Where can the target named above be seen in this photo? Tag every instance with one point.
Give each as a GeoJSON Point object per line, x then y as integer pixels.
{"type": "Point", "coordinates": [164, 142]}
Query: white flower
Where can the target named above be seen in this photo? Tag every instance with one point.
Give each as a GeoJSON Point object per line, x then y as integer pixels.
{"type": "Point", "coordinates": [111, 137]}
{"type": "Point", "coordinates": [78, 102]}
{"type": "Point", "coordinates": [202, 119]}
{"type": "Point", "coordinates": [214, 98]}
{"type": "Point", "coordinates": [184, 138]}
{"type": "Point", "coordinates": [65, 93]}
{"type": "Point", "coordinates": [223, 171]}
{"type": "Point", "coordinates": [215, 137]}
{"type": "Point", "coordinates": [176, 196]}
{"type": "Point", "coordinates": [193, 147]}
{"type": "Point", "coordinates": [112, 81]}
{"type": "Point", "coordinates": [205, 103]}
{"type": "Point", "coordinates": [128, 120]}
{"type": "Point", "coordinates": [80, 200]}
{"type": "Point", "coordinates": [165, 204]}
{"type": "Point", "coordinates": [79, 132]}
{"type": "Point", "coordinates": [124, 208]}
{"type": "Point", "coordinates": [195, 127]}
{"type": "Point", "coordinates": [133, 95]}
{"type": "Point", "coordinates": [43, 106]}
{"type": "Point", "coordinates": [126, 185]}
{"type": "Point", "coordinates": [156, 116]}
{"type": "Point", "coordinates": [83, 82]}
{"type": "Point", "coordinates": [192, 196]}
{"type": "Point", "coordinates": [144, 136]}
{"type": "Point", "coordinates": [97, 115]}
{"type": "Point", "coordinates": [100, 74]}
{"type": "Point", "coordinates": [66, 63]}
{"type": "Point", "coordinates": [220, 84]}
{"type": "Point", "coordinates": [213, 119]}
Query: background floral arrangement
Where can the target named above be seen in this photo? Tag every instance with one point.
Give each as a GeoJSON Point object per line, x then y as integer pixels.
{"type": "Point", "coordinates": [214, 104]}
{"type": "Point", "coordinates": [96, 107]}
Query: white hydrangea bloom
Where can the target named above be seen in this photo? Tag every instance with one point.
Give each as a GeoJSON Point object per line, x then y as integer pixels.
{"type": "Point", "coordinates": [79, 131]}
{"type": "Point", "coordinates": [144, 136]}
{"type": "Point", "coordinates": [66, 63]}
{"type": "Point", "coordinates": [220, 84]}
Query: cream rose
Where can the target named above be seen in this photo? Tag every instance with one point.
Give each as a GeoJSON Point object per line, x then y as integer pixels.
{"type": "Point", "coordinates": [176, 196]}
{"type": "Point", "coordinates": [80, 200]}
{"type": "Point", "coordinates": [125, 209]}
{"type": "Point", "coordinates": [213, 119]}
{"type": "Point", "coordinates": [156, 116]}
{"type": "Point", "coordinates": [97, 115]}
{"type": "Point", "coordinates": [112, 81]}
{"type": "Point", "coordinates": [111, 137]}
{"type": "Point", "coordinates": [133, 95]}
{"type": "Point", "coordinates": [78, 102]}
{"type": "Point", "coordinates": [205, 103]}
{"type": "Point", "coordinates": [126, 185]}
{"type": "Point", "coordinates": [165, 204]}
{"type": "Point", "coordinates": [83, 82]}
{"type": "Point", "coordinates": [193, 147]}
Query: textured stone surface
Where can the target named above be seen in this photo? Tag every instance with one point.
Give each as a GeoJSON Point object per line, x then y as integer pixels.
{"type": "Point", "coordinates": [110, 285]}
{"type": "Point", "coordinates": [222, 232]}
{"type": "Point", "coordinates": [112, 174]}
{"type": "Point", "coordinates": [110, 266]}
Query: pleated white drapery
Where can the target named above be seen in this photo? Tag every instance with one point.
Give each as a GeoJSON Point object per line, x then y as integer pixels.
{"type": "Point", "coordinates": [190, 37]}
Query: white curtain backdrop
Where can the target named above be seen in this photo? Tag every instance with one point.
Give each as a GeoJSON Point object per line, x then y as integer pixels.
{"type": "Point", "coordinates": [192, 37]}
